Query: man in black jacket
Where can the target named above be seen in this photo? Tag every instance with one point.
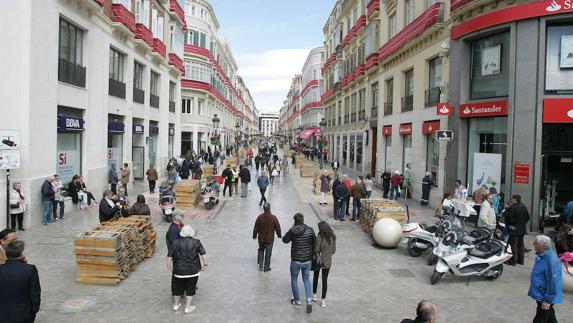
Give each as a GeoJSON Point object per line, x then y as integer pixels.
{"type": "Point", "coordinates": [20, 293]}
{"type": "Point", "coordinates": [245, 176]}
{"type": "Point", "coordinates": [47, 200]}
{"type": "Point", "coordinates": [107, 208]}
{"type": "Point", "coordinates": [426, 312]}
{"type": "Point", "coordinates": [516, 221]}
{"type": "Point", "coordinates": [340, 194]}
{"type": "Point", "coordinates": [228, 176]}
{"type": "Point", "coordinates": [303, 238]}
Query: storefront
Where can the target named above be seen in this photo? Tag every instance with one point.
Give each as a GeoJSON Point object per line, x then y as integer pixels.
{"type": "Point", "coordinates": [186, 143]}
{"type": "Point", "coordinates": [405, 130]}
{"type": "Point", "coordinates": [69, 161]}
{"type": "Point", "coordinates": [170, 140]}
{"type": "Point", "coordinates": [387, 133]}
{"type": "Point", "coordinates": [138, 149]}
{"type": "Point", "coordinates": [429, 129]}
{"type": "Point", "coordinates": [152, 142]}
{"type": "Point", "coordinates": [115, 131]}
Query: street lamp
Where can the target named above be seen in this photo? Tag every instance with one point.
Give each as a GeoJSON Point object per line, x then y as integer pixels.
{"type": "Point", "coordinates": [322, 124]}
{"type": "Point", "coordinates": [237, 135]}
{"type": "Point", "coordinates": [216, 122]}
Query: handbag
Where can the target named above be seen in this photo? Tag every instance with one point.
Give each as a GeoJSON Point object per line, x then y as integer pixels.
{"type": "Point", "coordinates": [15, 206]}
{"type": "Point", "coordinates": [317, 262]}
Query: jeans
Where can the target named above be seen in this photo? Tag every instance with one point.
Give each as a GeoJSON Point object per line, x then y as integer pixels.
{"type": "Point", "coordinates": [55, 209]}
{"type": "Point", "coordinates": [47, 211]}
{"type": "Point", "coordinates": [368, 194]}
{"type": "Point", "coordinates": [244, 189]}
{"type": "Point", "coordinates": [295, 268]}
{"type": "Point", "coordinates": [394, 191]}
{"type": "Point", "coordinates": [263, 198]}
{"type": "Point", "coordinates": [340, 210]}
{"type": "Point", "coordinates": [356, 205]}
{"type": "Point", "coordinates": [264, 256]}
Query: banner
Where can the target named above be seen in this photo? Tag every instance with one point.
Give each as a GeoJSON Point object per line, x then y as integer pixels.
{"type": "Point", "coordinates": [487, 171]}
{"type": "Point", "coordinates": [68, 165]}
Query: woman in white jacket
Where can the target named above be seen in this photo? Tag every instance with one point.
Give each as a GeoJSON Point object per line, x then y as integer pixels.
{"type": "Point", "coordinates": [17, 206]}
{"type": "Point", "coordinates": [487, 218]}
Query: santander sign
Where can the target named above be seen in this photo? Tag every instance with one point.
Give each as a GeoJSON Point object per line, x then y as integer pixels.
{"type": "Point", "coordinates": [555, 5]}
{"type": "Point", "coordinates": [483, 109]}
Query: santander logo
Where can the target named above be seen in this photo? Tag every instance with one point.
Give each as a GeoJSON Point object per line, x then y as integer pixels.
{"type": "Point", "coordinates": [570, 113]}
{"type": "Point", "coordinates": [555, 5]}
{"type": "Point", "coordinates": [467, 110]}
{"type": "Point", "coordinates": [444, 109]}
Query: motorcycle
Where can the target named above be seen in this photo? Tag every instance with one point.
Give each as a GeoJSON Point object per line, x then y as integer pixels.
{"type": "Point", "coordinates": [210, 194]}
{"type": "Point", "coordinates": [461, 259]}
{"type": "Point", "coordinates": [167, 201]}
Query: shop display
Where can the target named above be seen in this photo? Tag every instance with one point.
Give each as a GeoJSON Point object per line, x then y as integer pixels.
{"type": "Point", "coordinates": [188, 193]}
{"type": "Point", "coordinates": [387, 232]}
{"type": "Point", "coordinates": [208, 172]}
{"type": "Point", "coordinates": [108, 253]}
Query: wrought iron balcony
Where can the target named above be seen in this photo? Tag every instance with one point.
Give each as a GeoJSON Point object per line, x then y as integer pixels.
{"type": "Point", "coordinates": [138, 95]}
{"type": "Point", "coordinates": [71, 73]}
{"type": "Point", "coordinates": [388, 107]}
{"type": "Point", "coordinates": [154, 101]}
{"type": "Point", "coordinates": [117, 89]}
{"type": "Point", "coordinates": [432, 97]}
{"type": "Point", "coordinates": [407, 103]}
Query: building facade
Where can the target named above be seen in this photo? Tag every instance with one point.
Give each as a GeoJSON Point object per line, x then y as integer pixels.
{"type": "Point", "coordinates": [105, 89]}
{"type": "Point", "coordinates": [290, 119]}
{"type": "Point", "coordinates": [311, 111]}
{"type": "Point", "coordinates": [268, 124]}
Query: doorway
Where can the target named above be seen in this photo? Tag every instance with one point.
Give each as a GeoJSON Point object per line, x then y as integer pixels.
{"type": "Point", "coordinates": [374, 144]}
{"type": "Point", "coordinates": [557, 180]}
{"type": "Point", "coordinates": [138, 162]}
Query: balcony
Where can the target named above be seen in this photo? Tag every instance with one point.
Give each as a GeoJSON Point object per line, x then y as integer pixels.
{"type": "Point", "coordinates": [171, 106]}
{"type": "Point", "coordinates": [177, 62]}
{"type": "Point", "coordinates": [388, 108]}
{"type": "Point", "coordinates": [407, 103]}
{"type": "Point", "coordinates": [176, 8]}
{"type": "Point", "coordinates": [159, 47]}
{"type": "Point", "coordinates": [143, 33]}
{"type": "Point", "coordinates": [71, 73]}
{"type": "Point", "coordinates": [100, 2]}
{"type": "Point", "coordinates": [154, 101]}
{"type": "Point", "coordinates": [374, 112]}
{"type": "Point", "coordinates": [122, 15]}
{"type": "Point", "coordinates": [353, 117]}
{"type": "Point", "coordinates": [117, 89]}
{"type": "Point", "coordinates": [432, 97]}
{"type": "Point", "coordinates": [138, 95]}
{"type": "Point", "coordinates": [373, 8]}
{"type": "Point", "coordinates": [457, 4]}
{"type": "Point", "coordinates": [362, 115]}
{"type": "Point", "coordinates": [346, 119]}
{"type": "Point", "coordinates": [371, 61]}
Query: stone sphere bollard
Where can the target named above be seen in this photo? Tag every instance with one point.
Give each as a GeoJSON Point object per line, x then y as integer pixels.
{"type": "Point", "coordinates": [387, 232]}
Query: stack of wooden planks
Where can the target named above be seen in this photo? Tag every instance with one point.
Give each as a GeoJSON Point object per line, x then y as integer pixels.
{"type": "Point", "coordinates": [230, 161]}
{"type": "Point", "coordinates": [208, 172]}
{"type": "Point", "coordinates": [188, 193]}
{"type": "Point", "coordinates": [108, 253]}
{"type": "Point", "coordinates": [307, 170]}
{"type": "Point", "coordinates": [316, 181]}
{"type": "Point", "coordinates": [376, 209]}
{"type": "Point", "coordinates": [299, 159]}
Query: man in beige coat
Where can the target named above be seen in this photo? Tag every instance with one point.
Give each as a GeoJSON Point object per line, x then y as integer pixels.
{"type": "Point", "coordinates": [125, 176]}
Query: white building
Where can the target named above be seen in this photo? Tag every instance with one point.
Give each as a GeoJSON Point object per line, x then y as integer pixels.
{"type": "Point", "coordinates": [88, 83]}
{"type": "Point", "coordinates": [312, 109]}
{"type": "Point", "coordinates": [269, 123]}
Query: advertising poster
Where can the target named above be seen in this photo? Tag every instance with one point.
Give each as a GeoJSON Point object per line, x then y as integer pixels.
{"type": "Point", "coordinates": [68, 165]}
{"type": "Point", "coordinates": [113, 157]}
{"type": "Point", "coordinates": [487, 171]}
{"type": "Point", "coordinates": [566, 51]}
{"type": "Point", "coordinates": [490, 60]}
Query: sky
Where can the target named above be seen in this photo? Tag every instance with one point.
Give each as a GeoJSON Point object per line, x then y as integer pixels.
{"type": "Point", "coordinates": [270, 40]}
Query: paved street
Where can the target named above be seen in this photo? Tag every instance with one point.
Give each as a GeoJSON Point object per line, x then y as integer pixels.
{"type": "Point", "coordinates": [366, 283]}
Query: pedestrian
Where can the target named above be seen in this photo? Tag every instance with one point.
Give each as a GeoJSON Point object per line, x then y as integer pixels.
{"type": "Point", "coordinates": [186, 260]}
{"type": "Point", "coordinates": [487, 217]}
{"type": "Point", "coordinates": [6, 236]}
{"type": "Point", "coordinates": [335, 184]}
{"type": "Point", "coordinates": [228, 176]}
{"type": "Point", "coordinates": [140, 207]}
{"type": "Point", "coordinates": [564, 239]}
{"type": "Point", "coordinates": [184, 170]}
{"type": "Point", "coordinates": [125, 175]}
{"type": "Point", "coordinates": [357, 192]}
{"type": "Point", "coordinates": [107, 208]}
{"type": "Point", "coordinates": [245, 176]}
{"type": "Point", "coordinates": [263, 183]}
{"type": "Point", "coordinates": [325, 247]}
{"type": "Point", "coordinates": [17, 206]}
{"type": "Point", "coordinates": [235, 180]}
{"type": "Point", "coordinates": [174, 229]}
{"type": "Point", "coordinates": [284, 166]}
{"type": "Point", "coordinates": [47, 200]}
{"type": "Point", "coordinates": [257, 162]}
{"type": "Point", "coordinates": [460, 192]}
{"type": "Point", "coordinates": [348, 186]}
{"type": "Point", "coordinates": [495, 202]}
{"type": "Point", "coordinates": [426, 312]}
{"type": "Point", "coordinates": [427, 184]}
{"type": "Point", "coordinates": [335, 166]}
{"type": "Point", "coordinates": [20, 295]}
{"type": "Point", "coordinates": [274, 173]}
{"type": "Point", "coordinates": [340, 196]}
{"type": "Point", "coordinates": [58, 198]}
{"type": "Point", "coordinates": [172, 174]}
{"type": "Point", "coordinates": [368, 185]}
{"type": "Point", "coordinates": [516, 221]}
{"type": "Point", "coordinates": [546, 280]}
{"type": "Point", "coordinates": [395, 185]}
{"type": "Point", "coordinates": [152, 178]}
{"type": "Point", "coordinates": [567, 212]}
{"type": "Point", "coordinates": [303, 240]}
{"type": "Point", "coordinates": [112, 178]}
{"type": "Point", "coordinates": [324, 186]}
{"type": "Point", "coordinates": [386, 182]}
{"type": "Point", "coordinates": [265, 228]}
{"type": "Point", "coordinates": [478, 197]}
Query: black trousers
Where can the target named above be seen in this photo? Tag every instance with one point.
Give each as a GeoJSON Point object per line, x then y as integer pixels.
{"type": "Point", "coordinates": [544, 316]}
{"type": "Point", "coordinates": [263, 198]}
{"type": "Point", "coordinates": [151, 186]}
{"type": "Point", "coordinates": [325, 272]}
{"type": "Point", "coordinates": [228, 185]}
{"type": "Point", "coordinates": [347, 204]}
{"type": "Point", "coordinates": [517, 248]}
{"type": "Point", "coordinates": [55, 209]}
{"type": "Point", "coordinates": [20, 217]}
{"type": "Point", "coordinates": [264, 255]}
{"type": "Point", "coordinates": [114, 188]}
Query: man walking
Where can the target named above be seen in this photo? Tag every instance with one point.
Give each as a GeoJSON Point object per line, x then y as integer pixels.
{"type": "Point", "coordinates": [357, 192]}
{"type": "Point", "coordinates": [516, 222]}
{"type": "Point", "coordinates": [228, 176]}
{"type": "Point", "coordinates": [112, 179]}
{"type": "Point", "coordinates": [263, 183]}
{"type": "Point", "coordinates": [303, 239]}
{"type": "Point", "coordinates": [340, 196]}
{"type": "Point", "coordinates": [47, 200]}
{"type": "Point", "coordinates": [265, 227]}
{"type": "Point", "coordinates": [125, 175]}
{"type": "Point", "coordinates": [546, 280]}
{"type": "Point", "coordinates": [245, 176]}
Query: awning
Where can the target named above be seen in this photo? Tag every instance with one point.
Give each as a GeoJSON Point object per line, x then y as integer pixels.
{"type": "Point", "coordinates": [429, 127]}
{"type": "Point", "coordinates": [318, 133]}
{"type": "Point", "coordinates": [306, 133]}
{"type": "Point", "coordinates": [405, 129]}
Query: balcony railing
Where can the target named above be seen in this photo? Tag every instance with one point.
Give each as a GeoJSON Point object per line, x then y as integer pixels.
{"type": "Point", "coordinates": [339, 121]}
{"type": "Point", "coordinates": [143, 33]}
{"type": "Point", "coordinates": [388, 107]}
{"type": "Point", "coordinates": [71, 73]}
{"type": "Point", "coordinates": [171, 106]}
{"type": "Point", "coordinates": [154, 101]}
{"type": "Point", "coordinates": [138, 95]}
{"type": "Point", "coordinates": [159, 47]}
{"type": "Point", "coordinates": [117, 89]}
{"type": "Point", "coordinates": [122, 15]}
{"type": "Point", "coordinates": [362, 115]}
{"type": "Point", "coordinates": [353, 117]}
{"type": "Point", "coordinates": [346, 119]}
{"type": "Point", "coordinates": [432, 97]}
{"type": "Point", "coordinates": [374, 112]}
{"type": "Point", "coordinates": [407, 103]}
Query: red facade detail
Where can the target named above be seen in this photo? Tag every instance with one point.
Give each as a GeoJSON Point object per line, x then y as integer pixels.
{"type": "Point", "coordinates": [177, 62]}
{"type": "Point", "coordinates": [308, 85]}
{"type": "Point", "coordinates": [444, 109]}
{"type": "Point", "coordinates": [387, 130]}
{"type": "Point", "coordinates": [309, 106]}
{"type": "Point", "coordinates": [429, 127]}
{"type": "Point", "coordinates": [189, 84]}
{"type": "Point", "coordinates": [329, 62]}
{"type": "Point", "coordinates": [429, 18]}
{"type": "Point", "coordinates": [175, 7]}
{"type": "Point", "coordinates": [143, 33]}
{"type": "Point", "coordinates": [484, 109]}
{"type": "Point", "coordinates": [100, 2]}
{"type": "Point", "coordinates": [457, 4]}
{"type": "Point", "coordinates": [159, 47]}
{"type": "Point", "coordinates": [405, 129]}
{"type": "Point", "coordinates": [360, 23]}
{"type": "Point", "coordinates": [373, 7]}
{"type": "Point", "coordinates": [124, 16]}
{"type": "Point", "coordinates": [328, 94]}
{"type": "Point", "coordinates": [371, 61]}
{"type": "Point", "coordinates": [558, 110]}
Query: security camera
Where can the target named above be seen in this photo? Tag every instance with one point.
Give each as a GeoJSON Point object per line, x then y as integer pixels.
{"type": "Point", "coordinates": [9, 143]}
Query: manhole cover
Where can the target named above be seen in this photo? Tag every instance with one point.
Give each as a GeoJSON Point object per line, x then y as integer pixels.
{"type": "Point", "coordinates": [401, 273]}
{"type": "Point", "coordinates": [78, 304]}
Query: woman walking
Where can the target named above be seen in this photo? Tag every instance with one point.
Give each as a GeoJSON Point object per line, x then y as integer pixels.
{"type": "Point", "coordinates": [324, 186]}
{"type": "Point", "coordinates": [368, 185]}
{"type": "Point", "coordinates": [186, 259]}
{"type": "Point", "coordinates": [151, 178]}
{"type": "Point", "coordinates": [17, 207]}
{"type": "Point", "coordinates": [325, 246]}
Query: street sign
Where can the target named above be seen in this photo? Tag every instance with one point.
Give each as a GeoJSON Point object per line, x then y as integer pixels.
{"type": "Point", "coordinates": [445, 135]}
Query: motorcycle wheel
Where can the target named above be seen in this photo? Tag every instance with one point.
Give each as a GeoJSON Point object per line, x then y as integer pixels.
{"type": "Point", "coordinates": [168, 218]}
{"type": "Point", "coordinates": [413, 250]}
{"type": "Point", "coordinates": [494, 273]}
{"type": "Point", "coordinates": [432, 259]}
{"type": "Point", "coordinates": [435, 277]}
{"type": "Point", "coordinates": [209, 205]}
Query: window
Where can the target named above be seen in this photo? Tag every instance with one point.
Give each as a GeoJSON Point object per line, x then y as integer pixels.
{"type": "Point", "coordinates": [154, 86]}
{"type": "Point", "coordinates": [71, 42]}
{"type": "Point", "coordinates": [172, 89]}
{"type": "Point", "coordinates": [375, 96]}
{"type": "Point", "coordinates": [346, 110]}
{"type": "Point", "coordinates": [187, 106]}
{"type": "Point", "coordinates": [177, 40]}
{"type": "Point", "coordinates": [198, 71]}
{"type": "Point", "coordinates": [490, 67]}
{"type": "Point", "coordinates": [362, 105]}
{"type": "Point", "coordinates": [115, 65]}
{"type": "Point", "coordinates": [432, 96]}
{"type": "Point", "coordinates": [200, 104]}
{"type": "Point", "coordinates": [410, 11]}
{"type": "Point", "coordinates": [433, 157]}
{"type": "Point", "coordinates": [203, 40]}
{"type": "Point", "coordinates": [353, 108]}
{"type": "Point", "coordinates": [430, 3]}
{"type": "Point", "coordinates": [157, 24]}
{"type": "Point", "coordinates": [372, 42]}
{"type": "Point", "coordinates": [138, 70]}
{"type": "Point", "coordinates": [125, 3]}
{"type": "Point", "coordinates": [142, 12]}
{"type": "Point", "coordinates": [192, 10]}
{"type": "Point", "coordinates": [389, 104]}
{"type": "Point", "coordinates": [559, 74]}
{"type": "Point", "coordinates": [408, 98]}
{"type": "Point", "coordinates": [392, 26]}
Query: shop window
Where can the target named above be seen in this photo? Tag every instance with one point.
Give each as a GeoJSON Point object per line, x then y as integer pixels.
{"type": "Point", "coordinates": [69, 156]}
{"type": "Point", "coordinates": [432, 96]}
{"type": "Point", "coordinates": [559, 60]}
{"type": "Point", "coordinates": [406, 152]}
{"type": "Point", "coordinates": [557, 138]}
{"type": "Point", "coordinates": [387, 155]}
{"type": "Point", "coordinates": [359, 148]}
{"type": "Point", "coordinates": [490, 67]}
{"type": "Point", "coordinates": [351, 161]}
{"type": "Point", "coordinates": [433, 157]}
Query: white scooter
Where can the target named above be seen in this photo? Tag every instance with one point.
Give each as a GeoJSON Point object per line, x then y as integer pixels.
{"type": "Point", "coordinates": [483, 259]}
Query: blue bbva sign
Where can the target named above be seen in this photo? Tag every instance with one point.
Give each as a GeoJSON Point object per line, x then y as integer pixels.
{"type": "Point", "coordinates": [70, 124]}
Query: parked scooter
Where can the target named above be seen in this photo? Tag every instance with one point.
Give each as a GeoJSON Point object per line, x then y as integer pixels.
{"type": "Point", "coordinates": [461, 259]}
{"type": "Point", "coordinates": [167, 200]}
{"type": "Point", "coordinates": [210, 194]}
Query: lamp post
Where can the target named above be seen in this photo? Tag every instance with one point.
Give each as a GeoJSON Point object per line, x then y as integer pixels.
{"type": "Point", "coordinates": [215, 127]}
{"type": "Point", "coordinates": [237, 136]}
{"type": "Point", "coordinates": [322, 124]}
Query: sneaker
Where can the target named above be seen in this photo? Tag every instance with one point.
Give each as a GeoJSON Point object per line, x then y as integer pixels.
{"type": "Point", "coordinates": [267, 269]}
{"type": "Point", "coordinates": [342, 220]}
{"type": "Point", "coordinates": [309, 308]}
{"type": "Point", "coordinates": [295, 302]}
{"type": "Point", "coordinates": [323, 303]}
{"type": "Point", "coordinates": [189, 309]}
{"type": "Point", "coordinates": [176, 307]}
{"type": "Point", "coordinates": [314, 297]}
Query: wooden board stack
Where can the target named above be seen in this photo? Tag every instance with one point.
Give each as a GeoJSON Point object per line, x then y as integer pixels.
{"type": "Point", "coordinates": [108, 253]}
{"type": "Point", "coordinates": [188, 193]}
{"type": "Point", "coordinates": [230, 161]}
{"type": "Point", "coordinates": [299, 159]}
{"type": "Point", "coordinates": [208, 172]}
{"type": "Point", "coordinates": [307, 170]}
{"type": "Point", "coordinates": [376, 209]}
{"type": "Point", "coordinates": [316, 182]}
